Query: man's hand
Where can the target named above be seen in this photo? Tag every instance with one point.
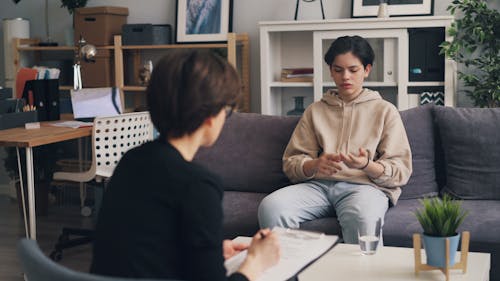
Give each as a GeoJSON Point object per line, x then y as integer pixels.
{"type": "Point", "coordinates": [355, 161]}
{"type": "Point", "coordinates": [327, 164]}
{"type": "Point", "coordinates": [229, 248]}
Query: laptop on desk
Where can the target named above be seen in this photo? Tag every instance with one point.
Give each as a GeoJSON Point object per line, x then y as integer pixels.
{"type": "Point", "coordinates": [89, 103]}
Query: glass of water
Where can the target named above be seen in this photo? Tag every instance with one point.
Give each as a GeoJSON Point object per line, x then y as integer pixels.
{"type": "Point", "coordinates": [369, 236]}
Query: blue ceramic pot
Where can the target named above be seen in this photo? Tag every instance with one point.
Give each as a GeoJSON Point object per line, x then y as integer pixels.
{"type": "Point", "coordinates": [435, 249]}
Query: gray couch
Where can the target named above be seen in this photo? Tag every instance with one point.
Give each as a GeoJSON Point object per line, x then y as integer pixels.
{"type": "Point", "coordinates": [455, 150]}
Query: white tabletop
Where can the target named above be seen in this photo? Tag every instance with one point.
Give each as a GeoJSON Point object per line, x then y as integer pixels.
{"type": "Point", "coordinates": [345, 262]}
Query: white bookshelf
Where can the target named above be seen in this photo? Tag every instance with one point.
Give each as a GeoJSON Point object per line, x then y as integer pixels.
{"type": "Point", "coordinates": [289, 44]}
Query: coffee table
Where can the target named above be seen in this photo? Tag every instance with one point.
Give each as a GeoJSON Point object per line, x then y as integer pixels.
{"type": "Point", "coordinates": [345, 262]}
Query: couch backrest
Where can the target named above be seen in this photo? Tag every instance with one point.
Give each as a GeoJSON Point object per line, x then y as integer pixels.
{"type": "Point", "coordinates": [421, 132]}
{"type": "Point", "coordinates": [248, 153]}
{"type": "Point", "coordinates": [470, 139]}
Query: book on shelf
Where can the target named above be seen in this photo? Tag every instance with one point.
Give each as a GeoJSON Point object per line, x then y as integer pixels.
{"type": "Point", "coordinates": [303, 74]}
{"type": "Point", "coordinates": [297, 79]}
{"type": "Point", "coordinates": [299, 70]}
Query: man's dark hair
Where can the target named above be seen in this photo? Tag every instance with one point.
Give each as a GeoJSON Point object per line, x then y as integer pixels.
{"type": "Point", "coordinates": [357, 45]}
{"type": "Point", "coordinates": [186, 87]}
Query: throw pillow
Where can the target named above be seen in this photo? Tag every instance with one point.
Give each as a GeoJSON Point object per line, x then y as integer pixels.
{"type": "Point", "coordinates": [419, 127]}
{"type": "Point", "coordinates": [471, 143]}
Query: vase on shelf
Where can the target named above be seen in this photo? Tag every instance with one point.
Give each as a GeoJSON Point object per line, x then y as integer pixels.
{"type": "Point", "coordinates": [299, 106]}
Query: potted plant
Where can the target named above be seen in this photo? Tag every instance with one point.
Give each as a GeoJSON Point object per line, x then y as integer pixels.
{"type": "Point", "coordinates": [476, 45]}
{"type": "Point", "coordinates": [71, 5]}
{"type": "Point", "coordinates": [440, 219]}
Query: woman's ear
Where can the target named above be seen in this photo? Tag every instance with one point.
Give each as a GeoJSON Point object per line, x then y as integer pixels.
{"type": "Point", "coordinates": [368, 68]}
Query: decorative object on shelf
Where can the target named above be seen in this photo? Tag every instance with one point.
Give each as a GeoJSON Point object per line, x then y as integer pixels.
{"type": "Point", "coordinates": [297, 8]}
{"type": "Point", "coordinates": [87, 52]}
{"type": "Point", "coordinates": [299, 107]}
{"type": "Point", "coordinates": [440, 219]}
{"type": "Point", "coordinates": [476, 44]}
{"type": "Point", "coordinates": [383, 10]}
{"type": "Point", "coordinates": [432, 97]}
{"type": "Point", "coordinates": [370, 8]}
{"type": "Point", "coordinates": [12, 28]}
{"type": "Point", "coordinates": [145, 73]}
{"type": "Point", "coordinates": [203, 20]}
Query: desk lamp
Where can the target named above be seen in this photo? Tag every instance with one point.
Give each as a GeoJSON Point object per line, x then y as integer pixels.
{"type": "Point", "coordinates": [87, 52]}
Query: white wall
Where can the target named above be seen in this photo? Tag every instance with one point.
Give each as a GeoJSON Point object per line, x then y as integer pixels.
{"type": "Point", "coordinates": [246, 15]}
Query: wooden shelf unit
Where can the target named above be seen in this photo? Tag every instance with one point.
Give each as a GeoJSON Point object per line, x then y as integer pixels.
{"type": "Point", "coordinates": [235, 43]}
{"type": "Point", "coordinates": [298, 44]}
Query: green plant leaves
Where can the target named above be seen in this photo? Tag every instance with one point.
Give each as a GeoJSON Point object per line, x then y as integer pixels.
{"type": "Point", "coordinates": [440, 217]}
{"type": "Point", "coordinates": [476, 45]}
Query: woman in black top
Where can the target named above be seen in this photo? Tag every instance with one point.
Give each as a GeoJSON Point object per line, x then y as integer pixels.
{"type": "Point", "coordinates": [161, 215]}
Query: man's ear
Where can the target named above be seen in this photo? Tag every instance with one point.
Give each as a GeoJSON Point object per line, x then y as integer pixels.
{"type": "Point", "coordinates": [368, 68]}
{"type": "Point", "coordinates": [209, 121]}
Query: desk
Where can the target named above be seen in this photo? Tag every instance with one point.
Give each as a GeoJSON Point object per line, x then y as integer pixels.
{"type": "Point", "coordinates": [46, 134]}
{"type": "Point", "coordinates": [345, 262]}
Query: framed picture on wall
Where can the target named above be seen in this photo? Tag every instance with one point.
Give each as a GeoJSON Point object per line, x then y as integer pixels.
{"type": "Point", "coordinates": [203, 20]}
{"type": "Point", "coordinates": [369, 8]}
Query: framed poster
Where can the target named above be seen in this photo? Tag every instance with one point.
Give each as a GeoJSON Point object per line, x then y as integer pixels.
{"type": "Point", "coordinates": [203, 20]}
{"type": "Point", "coordinates": [369, 8]}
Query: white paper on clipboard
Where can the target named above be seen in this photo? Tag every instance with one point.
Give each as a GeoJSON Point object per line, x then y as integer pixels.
{"type": "Point", "coordinates": [96, 102]}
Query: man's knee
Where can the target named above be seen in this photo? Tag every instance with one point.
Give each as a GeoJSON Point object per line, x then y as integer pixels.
{"type": "Point", "coordinates": [273, 213]}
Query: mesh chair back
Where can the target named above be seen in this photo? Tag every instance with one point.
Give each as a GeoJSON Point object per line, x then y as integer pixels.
{"type": "Point", "coordinates": [39, 267]}
{"type": "Point", "coordinates": [115, 135]}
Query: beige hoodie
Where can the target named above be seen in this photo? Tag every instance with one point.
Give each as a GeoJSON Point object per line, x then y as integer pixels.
{"type": "Point", "coordinates": [333, 126]}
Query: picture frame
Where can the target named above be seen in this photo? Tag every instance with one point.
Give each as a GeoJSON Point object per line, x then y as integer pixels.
{"type": "Point", "coordinates": [369, 8]}
{"type": "Point", "coordinates": [201, 21]}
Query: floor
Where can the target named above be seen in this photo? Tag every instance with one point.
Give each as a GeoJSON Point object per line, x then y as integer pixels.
{"type": "Point", "coordinates": [48, 229]}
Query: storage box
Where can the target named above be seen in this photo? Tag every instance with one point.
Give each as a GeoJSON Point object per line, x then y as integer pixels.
{"type": "Point", "coordinates": [99, 73]}
{"type": "Point", "coordinates": [5, 93]}
{"type": "Point", "coordinates": [98, 25]}
{"type": "Point", "coordinates": [146, 34]}
{"type": "Point", "coordinates": [17, 119]}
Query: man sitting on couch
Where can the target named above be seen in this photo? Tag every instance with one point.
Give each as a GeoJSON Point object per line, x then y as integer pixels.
{"type": "Point", "coordinates": [349, 153]}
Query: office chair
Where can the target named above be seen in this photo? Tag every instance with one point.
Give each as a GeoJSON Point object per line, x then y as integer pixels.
{"type": "Point", "coordinates": [38, 267]}
{"type": "Point", "coordinates": [111, 138]}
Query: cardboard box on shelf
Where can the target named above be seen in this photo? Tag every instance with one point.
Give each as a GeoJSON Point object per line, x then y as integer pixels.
{"type": "Point", "coordinates": [98, 25]}
{"type": "Point", "coordinates": [99, 73]}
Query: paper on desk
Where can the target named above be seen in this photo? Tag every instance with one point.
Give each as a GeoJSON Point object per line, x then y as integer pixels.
{"type": "Point", "coordinates": [298, 249]}
{"type": "Point", "coordinates": [73, 124]}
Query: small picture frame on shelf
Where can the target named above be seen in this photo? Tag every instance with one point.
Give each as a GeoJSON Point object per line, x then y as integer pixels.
{"type": "Point", "coordinates": [199, 21]}
{"type": "Point", "coordinates": [369, 8]}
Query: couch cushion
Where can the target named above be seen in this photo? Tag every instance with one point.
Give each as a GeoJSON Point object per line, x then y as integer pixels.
{"type": "Point", "coordinates": [240, 213]}
{"type": "Point", "coordinates": [419, 127]}
{"type": "Point", "coordinates": [471, 144]}
{"type": "Point", "coordinates": [248, 153]}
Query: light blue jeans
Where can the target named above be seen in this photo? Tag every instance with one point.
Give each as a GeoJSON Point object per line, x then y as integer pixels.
{"type": "Point", "coordinates": [352, 204]}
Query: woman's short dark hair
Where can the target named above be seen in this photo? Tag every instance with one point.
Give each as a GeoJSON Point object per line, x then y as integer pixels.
{"type": "Point", "coordinates": [357, 45]}
{"type": "Point", "coordinates": [186, 87]}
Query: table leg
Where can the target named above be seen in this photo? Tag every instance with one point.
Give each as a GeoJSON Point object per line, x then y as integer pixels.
{"type": "Point", "coordinates": [31, 192]}
{"type": "Point", "coordinates": [22, 192]}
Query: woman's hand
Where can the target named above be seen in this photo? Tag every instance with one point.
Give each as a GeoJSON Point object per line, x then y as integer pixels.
{"type": "Point", "coordinates": [327, 164]}
{"type": "Point", "coordinates": [359, 161]}
{"type": "Point", "coordinates": [264, 252]}
{"type": "Point", "coordinates": [229, 248]}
